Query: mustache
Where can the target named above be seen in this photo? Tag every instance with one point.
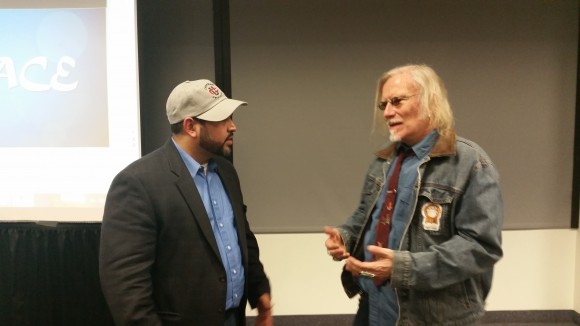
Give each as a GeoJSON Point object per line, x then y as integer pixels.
{"type": "Point", "coordinates": [229, 137]}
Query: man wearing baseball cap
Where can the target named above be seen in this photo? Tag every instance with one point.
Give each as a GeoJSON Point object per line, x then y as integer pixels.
{"type": "Point", "coordinates": [176, 247]}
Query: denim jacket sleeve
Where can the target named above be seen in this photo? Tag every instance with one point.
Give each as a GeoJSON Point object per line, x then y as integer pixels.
{"type": "Point", "coordinates": [468, 242]}
{"type": "Point", "coordinates": [352, 230]}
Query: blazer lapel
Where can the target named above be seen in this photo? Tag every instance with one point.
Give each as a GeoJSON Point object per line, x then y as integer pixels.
{"type": "Point", "coordinates": [188, 190]}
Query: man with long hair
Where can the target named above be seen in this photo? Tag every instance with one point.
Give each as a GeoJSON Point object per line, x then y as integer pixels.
{"type": "Point", "coordinates": [421, 246]}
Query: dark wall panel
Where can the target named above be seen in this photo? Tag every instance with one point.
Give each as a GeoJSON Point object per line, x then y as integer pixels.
{"type": "Point", "coordinates": [308, 71]}
{"type": "Point", "coordinates": [175, 44]}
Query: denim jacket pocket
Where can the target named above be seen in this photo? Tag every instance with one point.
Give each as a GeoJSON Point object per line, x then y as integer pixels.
{"type": "Point", "coordinates": [433, 213]}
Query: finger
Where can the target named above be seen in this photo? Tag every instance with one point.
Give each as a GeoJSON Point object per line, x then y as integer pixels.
{"type": "Point", "coordinates": [332, 232]}
{"type": "Point", "coordinates": [331, 244]}
{"type": "Point", "coordinates": [380, 252]}
{"type": "Point", "coordinates": [334, 240]}
{"type": "Point", "coordinates": [335, 251]}
{"type": "Point", "coordinates": [338, 253]}
{"type": "Point", "coordinates": [335, 257]}
{"type": "Point", "coordinates": [359, 269]}
{"type": "Point", "coordinates": [353, 265]}
{"type": "Point", "coordinates": [374, 249]}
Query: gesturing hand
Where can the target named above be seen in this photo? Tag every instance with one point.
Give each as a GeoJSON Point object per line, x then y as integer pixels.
{"type": "Point", "coordinates": [334, 244]}
{"type": "Point", "coordinates": [380, 268]}
{"type": "Point", "coordinates": [265, 317]}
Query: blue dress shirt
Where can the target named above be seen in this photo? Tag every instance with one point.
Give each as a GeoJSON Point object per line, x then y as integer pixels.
{"type": "Point", "coordinates": [219, 209]}
{"type": "Point", "coordinates": [383, 306]}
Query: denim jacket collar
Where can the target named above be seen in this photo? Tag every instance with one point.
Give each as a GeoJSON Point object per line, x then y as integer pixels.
{"type": "Point", "coordinates": [444, 146]}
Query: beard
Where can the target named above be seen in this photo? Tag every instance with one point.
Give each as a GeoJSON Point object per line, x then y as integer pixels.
{"type": "Point", "coordinates": [215, 147]}
{"type": "Point", "coordinates": [394, 138]}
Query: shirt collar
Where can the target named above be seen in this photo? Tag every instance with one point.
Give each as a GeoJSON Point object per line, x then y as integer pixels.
{"type": "Point", "coordinates": [191, 164]}
{"type": "Point", "coordinates": [422, 148]}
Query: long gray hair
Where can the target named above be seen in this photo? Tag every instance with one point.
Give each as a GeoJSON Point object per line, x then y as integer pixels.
{"type": "Point", "coordinates": [433, 97]}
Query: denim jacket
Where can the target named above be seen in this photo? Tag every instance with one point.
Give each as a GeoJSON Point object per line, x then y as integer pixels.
{"type": "Point", "coordinates": [443, 268]}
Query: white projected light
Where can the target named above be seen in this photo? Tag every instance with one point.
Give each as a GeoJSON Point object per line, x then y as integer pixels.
{"type": "Point", "coordinates": [69, 117]}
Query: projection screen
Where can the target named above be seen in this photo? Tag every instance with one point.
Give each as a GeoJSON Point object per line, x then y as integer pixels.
{"type": "Point", "coordinates": [69, 118]}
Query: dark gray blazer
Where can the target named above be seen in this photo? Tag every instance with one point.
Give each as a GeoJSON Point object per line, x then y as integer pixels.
{"type": "Point", "coordinates": [159, 260]}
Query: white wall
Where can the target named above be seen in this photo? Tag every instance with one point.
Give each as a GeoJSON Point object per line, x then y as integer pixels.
{"type": "Point", "coordinates": [577, 273]}
{"type": "Point", "coordinates": [539, 271]}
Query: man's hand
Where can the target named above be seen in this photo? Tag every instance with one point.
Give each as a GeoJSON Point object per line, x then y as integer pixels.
{"type": "Point", "coordinates": [264, 311]}
{"type": "Point", "coordinates": [334, 244]}
{"type": "Point", "coordinates": [381, 268]}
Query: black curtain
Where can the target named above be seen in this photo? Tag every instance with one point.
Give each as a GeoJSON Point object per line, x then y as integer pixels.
{"type": "Point", "coordinates": [49, 275]}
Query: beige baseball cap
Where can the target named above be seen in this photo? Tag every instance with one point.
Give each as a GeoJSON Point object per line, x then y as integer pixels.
{"type": "Point", "coordinates": [201, 99]}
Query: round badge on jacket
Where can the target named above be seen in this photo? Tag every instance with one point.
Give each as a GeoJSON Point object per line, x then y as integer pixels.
{"type": "Point", "coordinates": [431, 216]}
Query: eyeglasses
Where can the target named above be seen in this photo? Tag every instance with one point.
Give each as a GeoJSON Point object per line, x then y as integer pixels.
{"type": "Point", "coordinates": [395, 101]}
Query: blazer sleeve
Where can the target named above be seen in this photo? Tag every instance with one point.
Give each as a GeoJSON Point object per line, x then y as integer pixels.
{"type": "Point", "coordinates": [258, 282]}
{"type": "Point", "coordinates": [127, 251]}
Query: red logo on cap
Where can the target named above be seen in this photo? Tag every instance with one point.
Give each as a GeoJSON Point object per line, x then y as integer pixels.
{"type": "Point", "coordinates": [213, 90]}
